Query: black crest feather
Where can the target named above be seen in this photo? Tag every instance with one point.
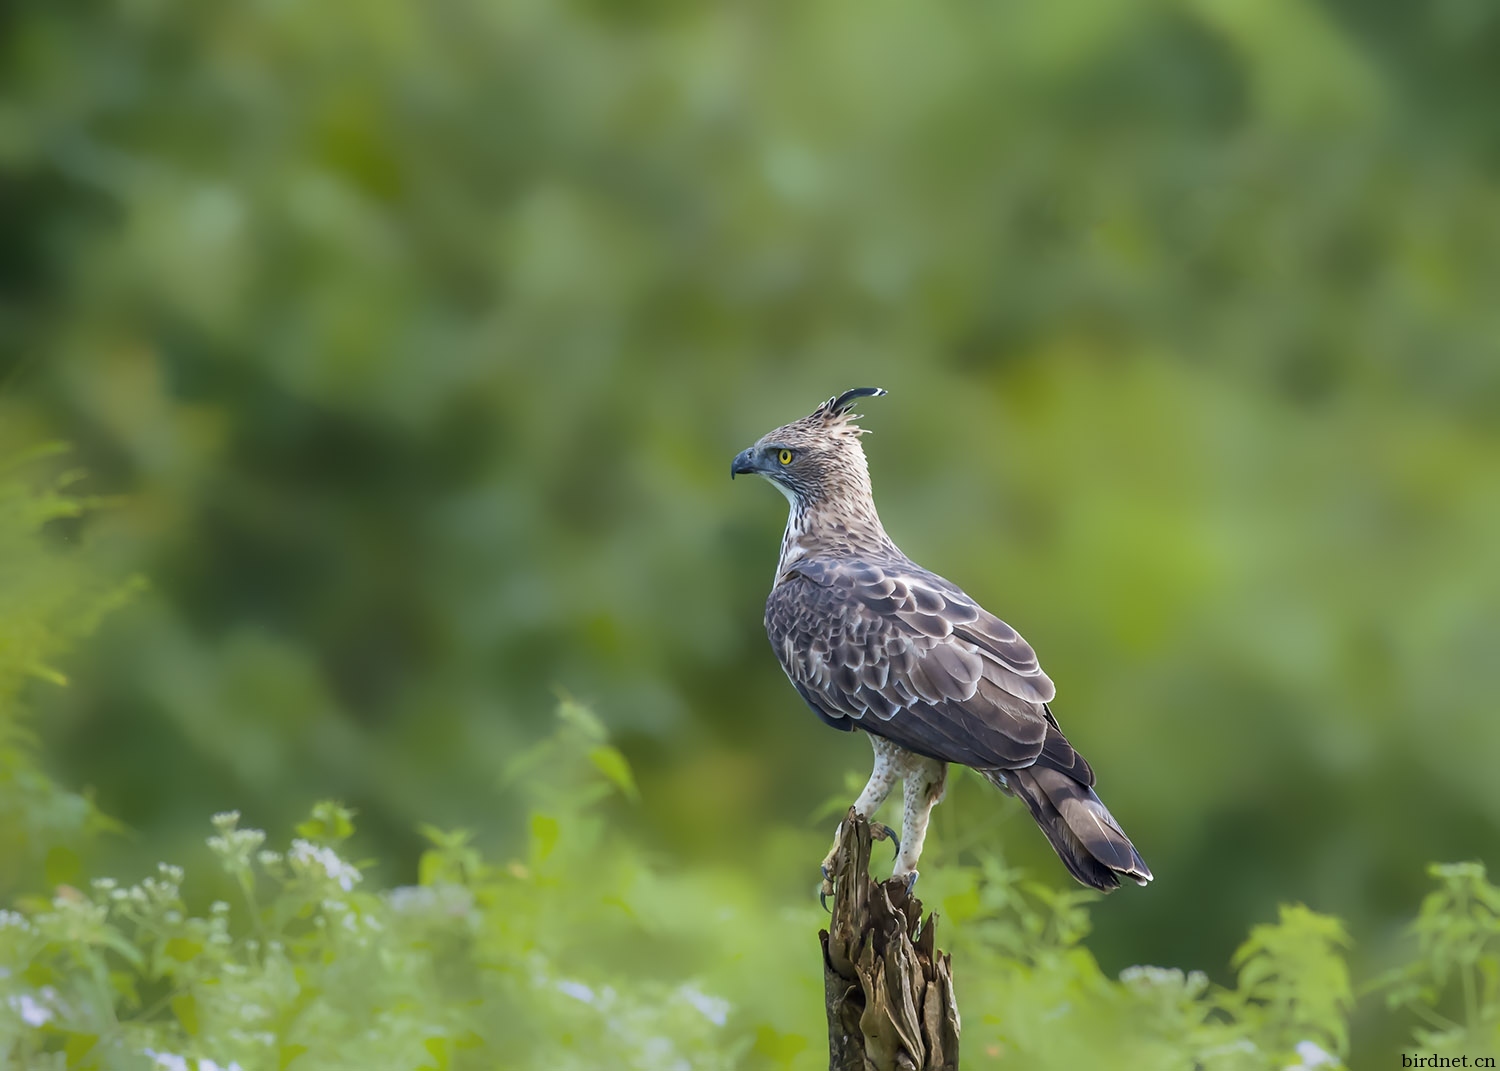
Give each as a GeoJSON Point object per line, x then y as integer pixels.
{"type": "Point", "coordinates": [844, 402]}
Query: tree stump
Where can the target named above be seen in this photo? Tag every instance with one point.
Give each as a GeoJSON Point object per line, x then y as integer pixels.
{"type": "Point", "coordinates": [889, 991]}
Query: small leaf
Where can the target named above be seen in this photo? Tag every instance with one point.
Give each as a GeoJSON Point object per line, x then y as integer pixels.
{"type": "Point", "coordinates": [446, 839]}
{"type": "Point", "coordinates": [35, 453]}
{"type": "Point", "coordinates": [330, 822]}
{"type": "Point", "coordinates": [778, 1047]}
{"type": "Point", "coordinates": [45, 672]}
{"type": "Point", "coordinates": [437, 1048]}
{"type": "Point", "coordinates": [183, 949]}
{"type": "Point", "coordinates": [123, 983]}
{"type": "Point", "coordinates": [77, 1047]}
{"type": "Point", "coordinates": [544, 833]}
{"type": "Point", "coordinates": [61, 865]}
{"type": "Point", "coordinates": [574, 714]}
{"type": "Point", "coordinates": [613, 765]}
{"type": "Point", "coordinates": [185, 1007]}
{"type": "Point", "coordinates": [112, 938]}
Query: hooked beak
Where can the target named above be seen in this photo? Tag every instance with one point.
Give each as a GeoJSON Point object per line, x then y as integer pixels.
{"type": "Point", "coordinates": [742, 463]}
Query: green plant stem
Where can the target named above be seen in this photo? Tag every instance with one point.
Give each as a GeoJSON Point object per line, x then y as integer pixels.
{"type": "Point", "coordinates": [247, 886]}
{"type": "Point", "coordinates": [1471, 1003]}
{"type": "Point", "coordinates": [1434, 1018]}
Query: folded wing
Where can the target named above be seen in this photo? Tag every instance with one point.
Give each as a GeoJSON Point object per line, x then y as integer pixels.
{"type": "Point", "coordinates": [906, 655]}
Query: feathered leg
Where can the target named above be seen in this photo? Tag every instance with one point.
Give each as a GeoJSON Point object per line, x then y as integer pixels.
{"type": "Point", "coordinates": [926, 781]}
{"type": "Point", "coordinates": [883, 778]}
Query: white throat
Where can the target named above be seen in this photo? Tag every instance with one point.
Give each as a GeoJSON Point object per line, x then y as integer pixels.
{"type": "Point", "coordinates": [791, 546]}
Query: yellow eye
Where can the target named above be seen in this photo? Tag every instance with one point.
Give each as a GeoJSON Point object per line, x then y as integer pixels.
{"type": "Point", "coordinates": [785, 457]}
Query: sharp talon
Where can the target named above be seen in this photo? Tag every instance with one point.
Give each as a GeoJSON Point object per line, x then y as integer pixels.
{"type": "Point", "coordinates": [823, 899]}
{"type": "Point", "coordinates": [826, 875]}
{"type": "Point", "coordinates": [880, 831]}
{"type": "Point", "coordinates": [911, 881]}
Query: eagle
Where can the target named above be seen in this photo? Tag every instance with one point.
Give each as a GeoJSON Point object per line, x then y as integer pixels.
{"type": "Point", "coordinates": [873, 641]}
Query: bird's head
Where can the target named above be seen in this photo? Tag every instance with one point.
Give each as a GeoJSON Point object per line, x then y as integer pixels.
{"type": "Point", "coordinates": [815, 457]}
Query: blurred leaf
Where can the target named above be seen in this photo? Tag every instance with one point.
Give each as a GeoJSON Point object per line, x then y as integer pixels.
{"type": "Point", "coordinates": [182, 949]}
{"type": "Point", "coordinates": [331, 823]}
{"type": "Point", "coordinates": [778, 1047]}
{"type": "Point", "coordinates": [545, 831]}
{"type": "Point", "coordinates": [437, 1048]}
{"type": "Point", "coordinates": [613, 765]}
{"type": "Point", "coordinates": [76, 1050]}
{"type": "Point", "coordinates": [579, 717]}
{"type": "Point", "coordinates": [185, 1007]}
{"type": "Point", "coordinates": [62, 865]}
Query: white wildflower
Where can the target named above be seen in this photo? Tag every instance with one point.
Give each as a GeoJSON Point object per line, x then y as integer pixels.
{"type": "Point", "coordinates": [308, 856]}
{"type": "Point", "coordinates": [450, 900]}
{"type": "Point", "coordinates": [1239, 1045]}
{"type": "Point", "coordinates": [15, 920]}
{"type": "Point", "coordinates": [233, 844]}
{"type": "Point", "coordinates": [251, 1037]}
{"type": "Point", "coordinates": [32, 1011]}
{"type": "Point", "coordinates": [167, 1061]}
{"type": "Point", "coordinates": [158, 892]}
{"type": "Point", "coordinates": [1147, 977]}
{"type": "Point", "coordinates": [660, 1052]}
{"type": "Point", "coordinates": [237, 844]}
{"type": "Point", "coordinates": [714, 1009]}
{"type": "Point", "coordinates": [576, 990]}
{"type": "Point", "coordinates": [1311, 1056]}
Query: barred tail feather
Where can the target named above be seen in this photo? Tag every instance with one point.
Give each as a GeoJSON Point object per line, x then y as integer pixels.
{"type": "Point", "coordinates": [1084, 834]}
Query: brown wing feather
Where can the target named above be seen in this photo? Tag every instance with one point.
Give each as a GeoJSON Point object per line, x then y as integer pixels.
{"type": "Point", "coordinates": [912, 658]}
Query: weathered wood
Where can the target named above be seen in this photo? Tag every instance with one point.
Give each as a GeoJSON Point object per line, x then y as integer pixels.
{"type": "Point", "coordinates": [889, 990]}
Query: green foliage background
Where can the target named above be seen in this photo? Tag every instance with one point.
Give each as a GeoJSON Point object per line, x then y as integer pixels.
{"type": "Point", "coordinates": [410, 344]}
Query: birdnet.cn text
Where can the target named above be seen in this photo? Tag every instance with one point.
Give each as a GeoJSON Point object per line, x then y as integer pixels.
{"type": "Point", "coordinates": [1447, 1061]}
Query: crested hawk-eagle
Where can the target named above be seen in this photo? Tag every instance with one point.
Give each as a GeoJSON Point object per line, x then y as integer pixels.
{"type": "Point", "coordinates": [873, 641]}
